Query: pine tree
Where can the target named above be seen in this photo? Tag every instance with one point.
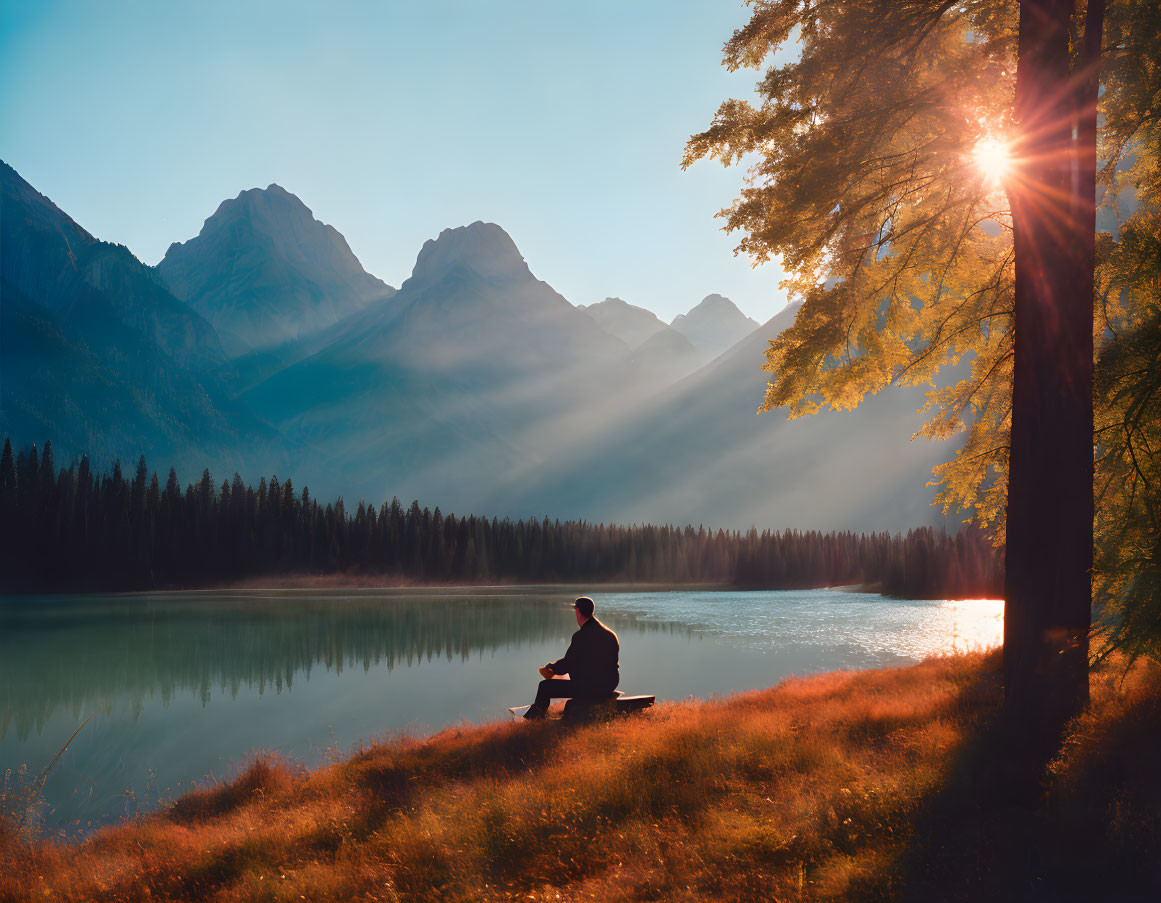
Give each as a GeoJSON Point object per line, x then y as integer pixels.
{"type": "Point", "coordinates": [8, 507]}
{"type": "Point", "coordinates": [7, 479]}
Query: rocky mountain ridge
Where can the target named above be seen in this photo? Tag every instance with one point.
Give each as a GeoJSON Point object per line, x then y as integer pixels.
{"type": "Point", "coordinates": [264, 271]}
{"type": "Point", "coordinates": [98, 356]}
{"type": "Point", "coordinates": [714, 325]}
{"type": "Point", "coordinates": [475, 386]}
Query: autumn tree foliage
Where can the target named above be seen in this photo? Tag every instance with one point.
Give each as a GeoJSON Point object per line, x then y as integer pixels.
{"type": "Point", "coordinates": [919, 261]}
{"type": "Point", "coordinates": [1127, 389]}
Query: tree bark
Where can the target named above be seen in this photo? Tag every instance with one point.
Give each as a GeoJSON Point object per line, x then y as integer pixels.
{"type": "Point", "coordinates": [1050, 504]}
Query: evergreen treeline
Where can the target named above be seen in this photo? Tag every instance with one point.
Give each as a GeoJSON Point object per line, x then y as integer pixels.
{"type": "Point", "coordinates": [74, 529]}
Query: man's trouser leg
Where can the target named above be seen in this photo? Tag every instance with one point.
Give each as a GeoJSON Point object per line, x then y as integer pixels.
{"type": "Point", "coordinates": [551, 689]}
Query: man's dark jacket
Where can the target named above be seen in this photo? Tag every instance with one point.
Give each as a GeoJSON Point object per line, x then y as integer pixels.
{"type": "Point", "coordinates": [591, 660]}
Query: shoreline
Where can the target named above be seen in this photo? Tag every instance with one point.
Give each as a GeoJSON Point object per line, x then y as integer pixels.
{"type": "Point", "coordinates": [840, 784]}
{"type": "Point", "coordinates": [372, 583]}
{"type": "Point", "coordinates": [383, 582]}
{"type": "Point", "coordinates": [297, 583]}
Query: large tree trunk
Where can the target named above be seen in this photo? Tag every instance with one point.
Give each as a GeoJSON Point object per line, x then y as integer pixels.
{"type": "Point", "coordinates": [1050, 504]}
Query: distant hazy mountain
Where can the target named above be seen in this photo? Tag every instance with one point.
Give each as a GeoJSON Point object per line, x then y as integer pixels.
{"type": "Point", "coordinates": [476, 386]}
{"type": "Point", "coordinates": [661, 361]}
{"type": "Point", "coordinates": [660, 355]}
{"type": "Point", "coordinates": [471, 301]}
{"type": "Point", "coordinates": [700, 454]}
{"type": "Point", "coordinates": [631, 324]}
{"type": "Point", "coordinates": [479, 386]}
{"type": "Point", "coordinates": [96, 355]}
{"type": "Point", "coordinates": [264, 272]}
{"type": "Point", "coordinates": [474, 371]}
{"type": "Point", "coordinates": [714, 325]}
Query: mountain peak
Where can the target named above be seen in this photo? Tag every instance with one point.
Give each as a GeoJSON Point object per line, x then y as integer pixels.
{"type": "Point", "coordinates": [718, 303]}
{"type": "Point", "coordinates": [483, 247]}
{"type": "Point", "coordinates": [264, 201]}
{"type": "Point", "coordinates": [275, 192]}
{"type": "Point", "coordinates": [610, 302]}
{"type": "Point", "coordinates": [714, 324]}
{"type": "Point", "coordinates": [263, 270]}
{"type": "Point", "coordinates": [613, 303]}
{"type": "Point", "coordinates": [631, 324]}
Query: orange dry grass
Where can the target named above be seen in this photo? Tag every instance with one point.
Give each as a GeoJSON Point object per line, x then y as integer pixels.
{"type": "Point", "coordinates": [829, 786]}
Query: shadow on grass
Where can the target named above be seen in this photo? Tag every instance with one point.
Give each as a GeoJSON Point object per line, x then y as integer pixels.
{"type": "Point", "coordinates": [391, 776]}
{"type": "Point", "coordinates": [1073, 817]}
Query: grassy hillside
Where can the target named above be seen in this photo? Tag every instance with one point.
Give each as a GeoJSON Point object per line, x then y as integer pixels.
{"type": "Point", "coordinates": [887, 784]}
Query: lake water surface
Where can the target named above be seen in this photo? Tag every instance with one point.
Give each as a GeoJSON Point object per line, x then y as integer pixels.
{"type": "Point", "coordinates": [185, 686]}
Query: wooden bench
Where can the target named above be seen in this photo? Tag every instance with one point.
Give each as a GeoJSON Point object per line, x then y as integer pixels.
{"type": "Point", "coordinates": [580, 708]}
{"type": "Point", "coordinates": [633, 703]}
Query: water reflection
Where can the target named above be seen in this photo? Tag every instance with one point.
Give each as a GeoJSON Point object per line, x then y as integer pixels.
{"type": "Point", "coordinates": [86, 653]}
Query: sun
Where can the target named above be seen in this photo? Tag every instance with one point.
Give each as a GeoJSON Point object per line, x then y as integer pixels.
{"type": "Point", "coordinates": [993, 158]}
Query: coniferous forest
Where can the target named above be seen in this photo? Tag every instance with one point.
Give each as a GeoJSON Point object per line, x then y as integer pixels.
{"type": "Point", "coordinates": [74, 529]}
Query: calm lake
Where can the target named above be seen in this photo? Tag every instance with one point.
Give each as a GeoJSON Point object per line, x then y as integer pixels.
{"type": "Point", "coordinates": [184, 686]}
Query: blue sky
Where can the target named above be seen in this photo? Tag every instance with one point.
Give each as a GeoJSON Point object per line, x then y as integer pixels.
{"type": "Point", "coordinates": [564, 122]}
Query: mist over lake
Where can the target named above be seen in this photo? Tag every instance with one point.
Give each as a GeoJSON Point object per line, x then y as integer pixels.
{"type": "Point", "coordinates": [187, 685]}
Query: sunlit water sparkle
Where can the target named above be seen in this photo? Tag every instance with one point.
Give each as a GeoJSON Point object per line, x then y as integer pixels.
{"type": "Point", "coordinates": [878, 627]}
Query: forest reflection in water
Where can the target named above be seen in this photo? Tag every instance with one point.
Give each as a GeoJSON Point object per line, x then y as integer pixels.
{"type": "Point", "coordinates": [84, 653]}
{"type": "Point", "coordinates": [185, 686]}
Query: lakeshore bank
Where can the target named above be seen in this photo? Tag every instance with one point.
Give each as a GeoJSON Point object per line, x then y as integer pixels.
{"type": "Point", "coordinates": [869, 785]}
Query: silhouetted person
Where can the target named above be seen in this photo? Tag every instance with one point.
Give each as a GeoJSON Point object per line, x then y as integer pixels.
{"type": "Point", "coordinates": [590, 663]}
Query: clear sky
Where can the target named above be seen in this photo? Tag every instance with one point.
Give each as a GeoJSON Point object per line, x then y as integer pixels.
{"type": "Point", "coordinates": [561, 120]}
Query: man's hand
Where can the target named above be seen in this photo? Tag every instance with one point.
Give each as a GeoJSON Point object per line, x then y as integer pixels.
{"type": "Point", "coordinates": [547, 673]}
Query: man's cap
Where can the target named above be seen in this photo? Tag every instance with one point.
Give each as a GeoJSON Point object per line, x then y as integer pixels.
{"type": "Point", "coordinates": [585, 606]}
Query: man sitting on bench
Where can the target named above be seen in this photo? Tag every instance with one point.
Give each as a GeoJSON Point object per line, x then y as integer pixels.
{"type": "Point", "coordinates": [590, 663]}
